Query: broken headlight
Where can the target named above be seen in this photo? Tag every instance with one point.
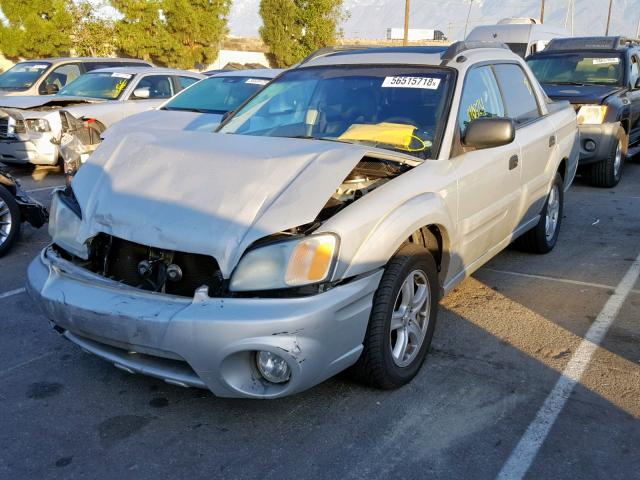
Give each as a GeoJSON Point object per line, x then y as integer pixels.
{"type": "Point", "coordinates": [39, 125]}
{"type": "Point", "coordinates": [64, 227]}
{"type": "Point", "coordinates": [291, 263]}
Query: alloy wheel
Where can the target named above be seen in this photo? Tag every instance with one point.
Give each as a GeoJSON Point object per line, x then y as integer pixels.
{"type": "Point", "coordinates": [410, 318]}
{"type": "Point", "coordinates": [5, 222]}
{"type": "Point", "coordinates": [553, 212]}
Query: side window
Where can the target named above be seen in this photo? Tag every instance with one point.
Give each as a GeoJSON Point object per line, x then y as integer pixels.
{"type": "Point", "coordinates": [519, 98]}
{"type": "Point", "coordinates": [59, 77]}
{"type": "Point", "coordinates": [480, 98]}
{"type": "Point", "coordinates": [634, 74]}
{"type": "Point", "coordinates": [159, 86]}
{"type": "Point", "coordinates": [184, 82]}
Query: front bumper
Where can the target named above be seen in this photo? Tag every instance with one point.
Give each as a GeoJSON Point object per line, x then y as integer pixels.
{"type": "Point", "coordinates": [205, 342]}
{"type": "Point", "coordinates": [604, 137]}
{"type": "Point", "coordinates": [38, 151]}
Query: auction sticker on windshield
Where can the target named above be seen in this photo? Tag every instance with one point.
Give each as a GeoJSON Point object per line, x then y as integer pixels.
{"type": "Point", "coordinates": [257, 81]}
{"type": "Point", "coordinates": [121, 75]}
{"type": "Point", "coordinates": [411, 82]}
{"type": "Point", "coordinates": [604, 61]}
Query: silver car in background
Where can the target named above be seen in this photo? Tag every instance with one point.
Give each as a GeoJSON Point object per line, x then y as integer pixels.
{"type": "Point", "coordinates": [203, 106]}
{"type": "Point", "coordinates": [31, 127]}
{"type": "Point", "coordinates": [48, 75]}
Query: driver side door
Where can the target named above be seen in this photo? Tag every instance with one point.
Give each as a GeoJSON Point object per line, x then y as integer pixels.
{"type": "Point", "coordinates": [489, 180]}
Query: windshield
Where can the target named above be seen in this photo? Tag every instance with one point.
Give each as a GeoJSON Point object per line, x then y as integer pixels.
{"type": "Point", "coordinates": [578, 68]}
{"type": "Point", "coordinates": [216, 94]}
{"type": "Point", "coordinates": [398, 108]}
{"type": "Point", "coordinates": [104, 85]}
{"type": "Point", "coordinates": [23, 75]}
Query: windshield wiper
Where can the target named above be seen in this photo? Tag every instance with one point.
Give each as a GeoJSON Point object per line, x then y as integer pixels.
{"type": "Point", "coordinates": [579, 84]}
{"type": "Point", "coordinates": [193, 109]}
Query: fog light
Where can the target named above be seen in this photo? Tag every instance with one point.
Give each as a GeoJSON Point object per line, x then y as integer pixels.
{"type": "Point", "coordinates": [589, 145]}
{"type": "Point", "coordinates": [272, 367]}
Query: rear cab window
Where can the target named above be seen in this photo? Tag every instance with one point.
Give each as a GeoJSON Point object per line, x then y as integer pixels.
{"type": "Point", "coordinates": [59, 77]}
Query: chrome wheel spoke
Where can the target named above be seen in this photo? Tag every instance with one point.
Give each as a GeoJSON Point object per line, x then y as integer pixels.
{"type": "Point", "coordinates": [400, 348]}
{"type": "Point", "coordinates": [415, 333]}
{"type": "Point", "coordinates": [397, 319]}
{"type": "Point", "coordinates": [419, 297]}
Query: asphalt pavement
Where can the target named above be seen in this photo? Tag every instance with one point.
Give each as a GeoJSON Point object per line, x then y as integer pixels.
{"type": "Point", "coordinates": [510, 382]}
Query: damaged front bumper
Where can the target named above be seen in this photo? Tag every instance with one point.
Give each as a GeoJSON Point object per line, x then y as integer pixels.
{"type": "Point", "coordinates": [203, 341]}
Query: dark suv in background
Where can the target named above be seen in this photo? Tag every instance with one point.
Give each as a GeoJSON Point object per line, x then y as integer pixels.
{"type": "Point", "coordinates": [599, 76]}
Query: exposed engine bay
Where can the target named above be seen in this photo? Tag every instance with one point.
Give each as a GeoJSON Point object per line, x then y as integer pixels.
{"type": "Point", "coordinates": [367, 175]}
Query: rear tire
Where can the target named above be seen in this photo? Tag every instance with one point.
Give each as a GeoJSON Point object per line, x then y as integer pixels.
{"type": "Point", "coordinates": [9, 220]}
{"type": "Point", "coordinates": [402, 320]}
{"type": "Point", "coordinates": [543, 237]}
{"type": "Point", "coordinates": [608, 172]}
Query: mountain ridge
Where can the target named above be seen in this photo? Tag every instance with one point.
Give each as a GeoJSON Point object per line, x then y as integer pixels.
{"type": "Point", "coordinates": [369, 19]}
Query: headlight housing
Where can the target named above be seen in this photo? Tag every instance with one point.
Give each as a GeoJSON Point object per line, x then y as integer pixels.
{"type": "Point", "coordinates": [290, 263]}
{"type": "Point", "coordinates": [39, 125]}
{"type": "Point", "coordinates": [592, 114]}
{"type": "Point", "coordinates": [64, 227]}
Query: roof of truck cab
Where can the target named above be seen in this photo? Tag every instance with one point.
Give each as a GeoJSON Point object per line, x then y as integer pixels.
{"type": "Point", "coordinates": [414, 55]}
{"type": "Point", "coordinates": [146, 70]}
{"type": "Point", "coordinates": [87, 59]}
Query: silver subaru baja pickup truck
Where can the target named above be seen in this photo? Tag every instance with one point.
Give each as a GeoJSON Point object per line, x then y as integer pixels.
{"type": "Point", "coordinates": [318, 228]}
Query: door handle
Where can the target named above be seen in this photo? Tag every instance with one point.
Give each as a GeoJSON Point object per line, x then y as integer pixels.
{"type": "Point", "coordinates": [552, 140]}
{"type": "Point", "coordinates": [513, 162]}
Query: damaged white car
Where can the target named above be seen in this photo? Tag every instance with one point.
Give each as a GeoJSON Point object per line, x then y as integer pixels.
{"type": "Point", "coordinates": [317, 230]}
{"type": "Point", "coordinates": [32, 127]}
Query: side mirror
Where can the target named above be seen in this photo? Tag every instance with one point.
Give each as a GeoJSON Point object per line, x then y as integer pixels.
{"type": "Point", "coordinates": [142, 93]}
{"type": "Point", "coordinates": [51, 89]}
{"type": "Point", "coordinates": [489, 133]}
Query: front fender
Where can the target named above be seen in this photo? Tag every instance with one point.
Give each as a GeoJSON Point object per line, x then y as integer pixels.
{"type": "Point", "coordinates": [375, 243]}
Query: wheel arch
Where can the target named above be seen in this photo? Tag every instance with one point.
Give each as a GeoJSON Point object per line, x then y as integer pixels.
{"type": "Point", "coordinates": [422, 220]}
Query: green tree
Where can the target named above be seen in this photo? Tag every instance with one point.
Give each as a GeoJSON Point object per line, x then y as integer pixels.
{"type": "Point", "coordinates": [292, 29]}
{"type": "Point", "coordinates": [175, 33]}
{"type": "Point", "coordinates": [92, 36]}
{"type": "Point", "coordinates": [197, 28]}
{"type": "Point", "coordinates": [36, 28]}
{"type": "Point", "coordinates": [141, 32]}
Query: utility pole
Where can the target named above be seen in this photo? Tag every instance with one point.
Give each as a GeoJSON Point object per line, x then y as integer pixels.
{"type": "Point", "coordinates": [466, 24]}
{"type": "Point", "coordinates": [638, 30]}
{"type": "Point", "coordinates": [407, 8]}
{"type": "Point", "coordinates": [606, 33]}
{"type": "Point", "coordinates": [542, 12]}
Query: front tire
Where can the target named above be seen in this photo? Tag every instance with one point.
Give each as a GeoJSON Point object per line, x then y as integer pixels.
{"type": "Point", "coordinates": [402, 320]}
{"type": "Point", "coordinates": [543, 237]}
{"type": "Point", "coordinates": [9, 220]}
{"type": "Point", "coordinates": [607, 173]}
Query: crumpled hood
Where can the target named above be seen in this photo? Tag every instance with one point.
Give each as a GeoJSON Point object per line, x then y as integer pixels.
{"type": "Point", "coordinates": [580, 94]}
{"type": "Point", "coordinates": [170, 120]}
{"type": "Point", "coordinates": [33, 101]}
{"type": "Point", "coordinates": [207, 193]}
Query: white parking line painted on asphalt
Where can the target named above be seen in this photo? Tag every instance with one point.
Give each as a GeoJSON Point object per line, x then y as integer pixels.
{"type": "Point", "coordinates": [25, 363]}
{"type": "Point", "coordinates": [11, 293]}
{"type": "Point", "coordinates": [553, 279]}
{"type": "Point", "coordinates": [527, 448]}
{"type": "Point", "coordinates": [42, 189]}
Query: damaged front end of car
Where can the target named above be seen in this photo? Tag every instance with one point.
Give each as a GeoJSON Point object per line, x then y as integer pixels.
{"type": "Point", "coordinates": [79, 138]}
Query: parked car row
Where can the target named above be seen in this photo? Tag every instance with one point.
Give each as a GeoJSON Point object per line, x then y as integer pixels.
{"type": "Point", "coordinates": [316, 229]}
